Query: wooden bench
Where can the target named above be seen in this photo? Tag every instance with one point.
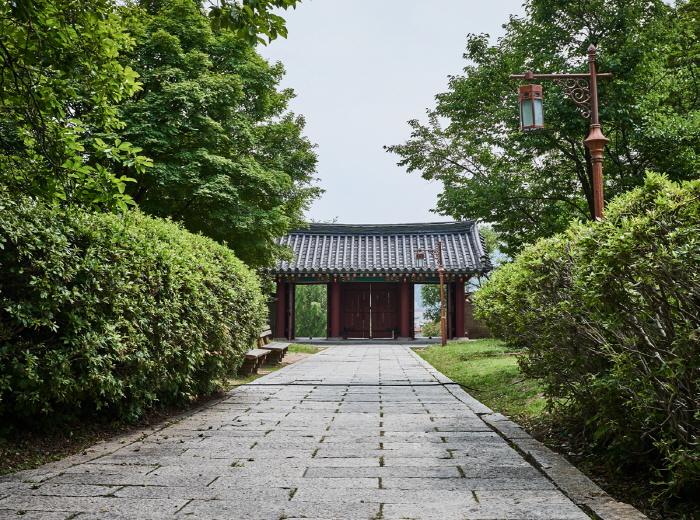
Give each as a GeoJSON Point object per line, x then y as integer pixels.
{"type": "Point", "coordinates": [277, 350]}
{"type": "Point", "coordinates": [267, 353]}
{"type": "Point", "coordinates": [254, 359]}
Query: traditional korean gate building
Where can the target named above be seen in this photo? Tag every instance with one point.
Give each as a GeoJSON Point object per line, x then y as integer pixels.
{"type": "Point", "coordinates": [370, 274]}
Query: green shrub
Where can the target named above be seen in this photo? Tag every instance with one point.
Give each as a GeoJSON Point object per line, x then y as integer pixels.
{"type": "Point", "coordinates": [113, 313]}
{"type": "Point", "coordinates": [610, 315]}
{"type": "Point", "coordinates": [530, 303]}
{"type": "Point", "coordinates": [431, 329]}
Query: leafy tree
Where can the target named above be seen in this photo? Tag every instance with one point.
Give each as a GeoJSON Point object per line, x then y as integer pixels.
{"type": "Point", "coordinates": [531, 186]}
{"type": "Point", "coordinates": [431, 329]}
{"type": "Point", "coordinates": [491, 238]}
{"type": "Point", "coordinates": [494, 246]}
{"type": "Point", "coordinates": [311, 311]}
{"type": "Point", "coordinates": [430, 296]}
{"type": "Point", "coordinates": [229, 161]}
{"type": "Point", "coordinates": [59, 81]}
{"type": "Point", "coordinates": [251, 18]}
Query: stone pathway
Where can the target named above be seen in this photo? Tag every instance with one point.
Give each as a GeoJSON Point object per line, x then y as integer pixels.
{"type": "Point", "coordinates": [355, 432]}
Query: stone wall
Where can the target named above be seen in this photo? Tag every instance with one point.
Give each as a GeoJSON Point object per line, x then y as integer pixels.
{"type": "Point", "coordinates": [475, 329]}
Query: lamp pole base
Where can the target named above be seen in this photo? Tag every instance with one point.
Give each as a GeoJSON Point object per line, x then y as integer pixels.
{"type": "Point", "coordinates": [596, 142]}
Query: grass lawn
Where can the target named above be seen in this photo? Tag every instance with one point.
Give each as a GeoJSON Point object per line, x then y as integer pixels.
{"type": "Point", "coordinates": [488, 365]}
{"type": "Point", "coordinates": [304, 349]}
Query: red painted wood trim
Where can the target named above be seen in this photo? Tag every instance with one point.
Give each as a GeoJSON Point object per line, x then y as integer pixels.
{"type": "Point", "coordinates": [334, 305]}
{"type": "Point", "coordinates": [280, 311]}
{"type": "Point", "coordinates": [459, 309]}
{"type": "Point", "coordinates": [291, 300]}
{"type": "Point", "coordinates": [405, 309]}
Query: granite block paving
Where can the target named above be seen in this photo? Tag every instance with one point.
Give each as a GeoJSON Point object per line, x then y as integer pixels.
{"type": "Point", "coordinates": [358, 431]}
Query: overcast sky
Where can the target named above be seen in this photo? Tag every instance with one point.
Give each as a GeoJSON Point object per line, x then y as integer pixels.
{"type": "Point", "coordinates": [361, 69]}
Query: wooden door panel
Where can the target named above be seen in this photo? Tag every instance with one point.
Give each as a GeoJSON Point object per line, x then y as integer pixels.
{"type": "Point", "coordinates": [370, 310]}
{"type": "Point", "coordinates": [356, 311]}
{"type": "Point", "coordinates": [385, 315]}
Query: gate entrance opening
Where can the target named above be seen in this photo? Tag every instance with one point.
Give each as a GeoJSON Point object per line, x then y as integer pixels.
{"type": "Point", "coordinates": [370, 310]}
{"type": "Point", "coordinates": [311, 311]}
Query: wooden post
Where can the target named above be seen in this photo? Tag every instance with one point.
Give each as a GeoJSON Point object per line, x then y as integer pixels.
{"type": "Point", "coordinates": [451, 325]}
{"type": "Point", "coordinates": [405, 309]}
{"type": "Point", "coordinates": [459, 309]}
{"type": "Point", "coordinates": [443, 318]}
{"type": "Point", "coordinates": [412, 320]}
{"type": "Point", "coordinates": [291, 300]}
{"type": "Point", "coordinates": [334, 308]}
{"type": "Point", "coordinates": [281, 312]}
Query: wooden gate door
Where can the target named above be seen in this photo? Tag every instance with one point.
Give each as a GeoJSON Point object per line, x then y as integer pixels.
{"type": "Point", "coordinates": [384, 308]}
{"type": "Point", "coordinates": [356, 310]}
{"type": "Point", "coordinates": [370, 310]}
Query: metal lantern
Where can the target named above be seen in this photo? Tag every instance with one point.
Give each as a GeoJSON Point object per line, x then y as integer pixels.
{"type": "Point", "coordinates": [420, 259]}
{"type": "Point", "coordinates": [531, 116]}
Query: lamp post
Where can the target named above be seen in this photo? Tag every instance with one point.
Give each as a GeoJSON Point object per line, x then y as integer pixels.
{"type": "Point", "coordinates": [583, 90]}
{"type": "Point", "coordinates": [420, 262]}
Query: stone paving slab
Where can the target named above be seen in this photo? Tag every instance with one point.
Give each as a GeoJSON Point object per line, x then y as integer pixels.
{"type": "Point", "coordinates": [357, 431]}
{"type": "Point", "coordinates": [466, 484]}
{"type": "Point", "coordinates": [33, 515]}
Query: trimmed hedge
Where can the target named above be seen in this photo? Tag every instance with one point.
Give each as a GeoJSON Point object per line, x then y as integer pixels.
{"type": "Point", "coordinates": [113, 313]}
{"type": "Point", "coordinates": [609, 313]}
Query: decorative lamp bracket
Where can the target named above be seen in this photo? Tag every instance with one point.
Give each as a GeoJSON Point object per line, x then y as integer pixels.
{"type": "Point", "coordinates": [579, 92]}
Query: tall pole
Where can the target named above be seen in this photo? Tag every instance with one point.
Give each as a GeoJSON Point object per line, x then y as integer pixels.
{"type": "Point", "coordinates": [586, 97]}
{"type": "Point", "coordinates": [595, 141]}
{"type": "Point", "coordinates": [441, 272]}
{"type": "Point", "coordinates": [437, 254]}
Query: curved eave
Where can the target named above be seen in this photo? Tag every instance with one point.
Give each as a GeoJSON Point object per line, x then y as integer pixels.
{"type": "Point", "coordinates": [341, 249]}
{"type": "Point", "coordinates": [427, 272]}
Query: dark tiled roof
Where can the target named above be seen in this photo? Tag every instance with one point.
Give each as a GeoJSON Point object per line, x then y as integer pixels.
{"type": "Point", "coordinates": [387, 248]}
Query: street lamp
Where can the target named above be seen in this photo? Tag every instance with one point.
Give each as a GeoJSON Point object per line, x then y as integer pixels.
{"type": "Point", "coordinates": [420, 262]}
{"type": "Point", "coordinates": [583, 90]}
{"type": "Point", "coordinates": [530, 101]}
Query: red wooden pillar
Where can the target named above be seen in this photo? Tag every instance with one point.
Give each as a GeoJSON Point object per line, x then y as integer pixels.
{"type": "Point", "coordinates": [412, 318]}
{"type": "Point", "coordinates": [459, 309]}
{"type": "Point", "coordinates": [334, 308]}
{"type": "Point", "coordinates": [291, 300]}
{"type": "Point", "coordinates": [405, 309]}
{"type": "Point", "coordinates": [450, 294]}
{"type": "Point", "coordinates": [280, 311]}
